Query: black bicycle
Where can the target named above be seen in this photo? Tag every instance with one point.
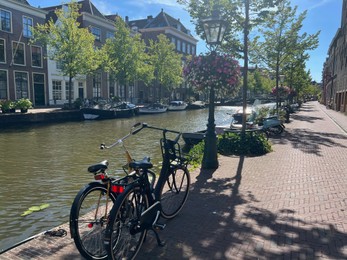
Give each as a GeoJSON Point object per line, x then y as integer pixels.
{"type": "Point", "coordinates": [139, 207]}
{"type": "Point", "coordinates": [90, 210]}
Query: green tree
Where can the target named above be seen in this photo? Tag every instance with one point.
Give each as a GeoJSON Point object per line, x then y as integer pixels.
{"type": "Point", "coordinates": [242, 16]}
{"type": "Point", "coordinates": [167, 64]}
{"type": "Point", "coordinates": [68, 44]}
{"type": "Point", "coordinates": [127, 56]}
{"type": "Point", "coordinates": [281, 42]}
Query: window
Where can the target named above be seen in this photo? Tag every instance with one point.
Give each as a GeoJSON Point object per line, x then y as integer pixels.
{"type": "Point", "coordinates": [21, 79]}
{"type": "Point", "coordinates": [188, 49]}
{"type": "Point", "coordinates": [2, 51]}
{"type": "Point", "coordinates": [178, 45]}
{"type": "Point", "coordinates": [18, 53]}
{"type": "Point", "coordinates": [184, 49]}
{"type": "Point", "coordinates": [36, 56]}
{"type": "Point", "coordinates": [56, 87]}
{"type": "Point", "coordinates": [58, 65]}
{"type": "Point", "coordinates": [3, 84]}
{"type": "Point", "coordinates": [67, 89]}
{"type": "Point", "coordinates": [193, 50]}
{"type": "Point", "coordinates": [5, 24]}
{"type": "Point", "coordinates": [109, 35]}
{"type": "Point", "coordinates": [97, 85]}
{"type": "Point", "coordinates": [27, 25]}
{"type": "Point", "coordinates": [96, 32]}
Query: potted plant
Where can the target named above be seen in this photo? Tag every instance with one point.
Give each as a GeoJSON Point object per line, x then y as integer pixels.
{"type": "Point", "coordinates": [7, 106]}
{"type": "Point", "coordinates": [24, 104]}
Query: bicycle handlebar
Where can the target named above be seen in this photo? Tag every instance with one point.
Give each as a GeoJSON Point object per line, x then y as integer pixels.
{"type": "Point", "coordinates": [137, 128]}
{"type": "Point", "coordinates": [164, 131]}
{"type": "Point", "coordinates": [134, 130]}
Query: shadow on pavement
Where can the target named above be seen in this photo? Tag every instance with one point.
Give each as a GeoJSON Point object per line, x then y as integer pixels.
{"type": "Point", "coordinates": [219, 222]}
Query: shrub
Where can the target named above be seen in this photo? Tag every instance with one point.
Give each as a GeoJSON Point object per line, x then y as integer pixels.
{"type": "Point", "coordinates": [231, 144]}
{"type": "Point", "coordinates": [254, 144]}
{"type": "Point", "coordinates": [23, 103]}
{"type": "Point", "coordinates": [195, 154]}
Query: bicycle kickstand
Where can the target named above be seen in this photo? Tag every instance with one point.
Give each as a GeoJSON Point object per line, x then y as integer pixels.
{"type": "Point", "coordinates": [157, 226]}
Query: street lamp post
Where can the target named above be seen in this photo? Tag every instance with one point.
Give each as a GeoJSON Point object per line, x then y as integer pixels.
{"type": "Point", "coordinates": [214, 29]}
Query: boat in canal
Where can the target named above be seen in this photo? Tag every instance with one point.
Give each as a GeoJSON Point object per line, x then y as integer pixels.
{"type": "Point", "coordinates": [110, 111]}
{"type": "Point", "coordinates": [98, 112]}
{"type": "Point", "coordinates": [196, 105]}
{"type": "Point", "coordinates": [155, 108]}
{"type": "Point", "coordinates": [125, 110]}
{"type": "Point", "coordinates": [194, 138]}
{"type": "Point", "coordinates": [177, 106]}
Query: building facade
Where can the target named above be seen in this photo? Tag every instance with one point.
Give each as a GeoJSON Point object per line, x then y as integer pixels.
{"type": "Point", "coordinates": [95, 86]}
{"type": "Point", "coordinates": [23, 69]}
{"type": "Point", "coordinates": [335, 68]}
{"type": "Point", "coordinates": [185, 44]}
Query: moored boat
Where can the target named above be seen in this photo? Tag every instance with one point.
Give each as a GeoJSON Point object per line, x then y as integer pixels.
{"type": "Point", "coordinates": [177, 106]}
{"type": "Point", "coordinates": [97, 112]}
{"type": "Point", "coordinates": [153, 109]}
{"type": "Point", "coordinates": [125, 110]}
{"type": "Point", "coordinates": [196, 105]}
{"type": "Point", "coordinates": [193, 138]}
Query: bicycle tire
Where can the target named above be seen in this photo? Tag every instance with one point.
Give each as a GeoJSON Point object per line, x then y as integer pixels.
{"type": "Point", "coordinates": [173, 191]}
{"type": "Point", "coordinates": [87, 220]}
{"type": "Point", "coordinates": [124, 216]}
{"type": "Point", "coordinates": [276, 130]}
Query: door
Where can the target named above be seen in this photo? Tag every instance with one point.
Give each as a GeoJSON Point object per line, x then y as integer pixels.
{"type": "Point", "coordinates": [39, 89]}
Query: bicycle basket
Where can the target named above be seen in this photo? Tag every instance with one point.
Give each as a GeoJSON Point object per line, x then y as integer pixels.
{"type": "Point", "coordinates": [171, 149]}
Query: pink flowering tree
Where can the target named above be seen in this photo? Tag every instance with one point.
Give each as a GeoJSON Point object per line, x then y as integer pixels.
{"type": "Point", "coordinates": [283, 93]}
{"type": "Point", "coordinates": [218, 71]}
{"type": "Point", "coordinates": [212, 72]}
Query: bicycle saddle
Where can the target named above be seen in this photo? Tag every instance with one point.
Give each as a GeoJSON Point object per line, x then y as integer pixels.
{"type": "Point", "coordinates": [143, 164]}
{"type": "Point", "coordinates": [98, 166]}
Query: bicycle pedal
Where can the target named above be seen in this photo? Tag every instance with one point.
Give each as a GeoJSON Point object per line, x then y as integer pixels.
{"type": "Point", "coordinates": [159, 226]}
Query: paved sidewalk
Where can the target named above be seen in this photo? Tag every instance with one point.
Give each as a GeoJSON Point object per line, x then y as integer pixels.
{"type": "Point", "coordinates": [289, 204]}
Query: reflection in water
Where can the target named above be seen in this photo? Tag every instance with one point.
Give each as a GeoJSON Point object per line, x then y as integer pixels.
{"type": "Point", "coordinates": [48, 164]}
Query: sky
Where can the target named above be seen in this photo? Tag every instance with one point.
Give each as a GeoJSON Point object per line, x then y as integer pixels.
{"type": "Point", "coordinates": [323, 16]}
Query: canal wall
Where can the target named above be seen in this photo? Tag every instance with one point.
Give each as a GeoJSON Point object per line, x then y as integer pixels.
{"type": "Point", "coordinates": [36, 116]}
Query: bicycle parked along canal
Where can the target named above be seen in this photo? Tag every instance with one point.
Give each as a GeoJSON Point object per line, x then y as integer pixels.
{"type": "Point", "coordinates": [139, 207]}
{"type": "Point", "coordinates": [90, 210]}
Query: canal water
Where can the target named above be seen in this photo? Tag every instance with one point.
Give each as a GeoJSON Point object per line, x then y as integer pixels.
{"type": "Point", "coordinates": [47, 164]}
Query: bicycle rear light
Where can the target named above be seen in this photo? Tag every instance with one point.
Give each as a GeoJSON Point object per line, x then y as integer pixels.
{"type": "Point", "coordinates": [117, 189]}
{"type": "Point", "coordinates": [100, 176]}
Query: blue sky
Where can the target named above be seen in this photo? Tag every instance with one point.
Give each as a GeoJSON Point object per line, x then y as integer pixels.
{"type": "Point", "coordinates": [323, 15]}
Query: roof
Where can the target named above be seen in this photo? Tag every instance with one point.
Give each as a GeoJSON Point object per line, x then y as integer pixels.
{"type": "Point", "coordinates": [86, 7]}
{"type": "Point", "coordinates": [161, 20]}
{"type": "Point", "coordinates": [22, 1]}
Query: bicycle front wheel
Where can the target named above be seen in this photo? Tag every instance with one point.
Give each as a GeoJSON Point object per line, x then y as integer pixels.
{"type": "Point", "coordinates": [88, 218]}
{"type": "Point", "coordinates": [123, 239]}
{"type": "Point", "coordinates": [173, 191]}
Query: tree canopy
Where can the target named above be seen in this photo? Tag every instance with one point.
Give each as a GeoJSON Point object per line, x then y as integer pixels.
{"type": "Point", "coordinates": [68, 44]}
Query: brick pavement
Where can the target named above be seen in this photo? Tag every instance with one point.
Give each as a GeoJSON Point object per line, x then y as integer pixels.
{"type": "Point", "coordinates": [288, 204]}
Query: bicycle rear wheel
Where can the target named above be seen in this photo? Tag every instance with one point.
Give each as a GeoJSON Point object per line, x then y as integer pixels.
{"type": "Point", "coordinates": [88, 219]}
{"type": "Point", "coordinates": [122, 240]}
{"type": "Point", "coordinates": [173, 191]}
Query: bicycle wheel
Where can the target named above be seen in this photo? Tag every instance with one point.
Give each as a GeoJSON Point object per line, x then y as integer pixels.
{"type": "Point", "coordinates": [173, 191]}
{"type": "Point", "coordinates": [88, 219]}
{"type": "Point", "coordinates": [276, 130]}
{"type": "Point", "coordinates": [122, 239]}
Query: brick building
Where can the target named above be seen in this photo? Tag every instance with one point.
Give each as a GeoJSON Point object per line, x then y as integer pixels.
{"type": "Point", "coordinates": [23, 69]}
{"type": "Point", "coordinates": [335, 68]}
{"type": "Point", "coordinates": [185, 44]}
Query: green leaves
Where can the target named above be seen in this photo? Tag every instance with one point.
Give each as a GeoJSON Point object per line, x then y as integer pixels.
{"type": "Point", "coordinates": [34, 209]}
